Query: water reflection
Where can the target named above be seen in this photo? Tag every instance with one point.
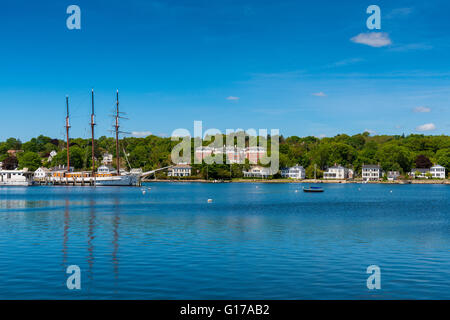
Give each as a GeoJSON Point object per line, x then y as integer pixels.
{"type": "Point", "coordinates": [115, 242]}
{"type": "Point", "coordinates": [66, 232]}
{"type": "Point", "coordinates": [91, 237]}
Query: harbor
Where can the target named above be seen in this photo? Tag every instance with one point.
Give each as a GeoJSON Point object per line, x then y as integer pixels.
{"type": "Point", "coordinates": [268, 242]}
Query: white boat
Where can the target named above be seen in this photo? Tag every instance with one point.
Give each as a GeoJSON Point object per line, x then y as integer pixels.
{"type": "Point", "coordinates": [22, 178]}
{"type": "Point", "coordinates": [122, 180]}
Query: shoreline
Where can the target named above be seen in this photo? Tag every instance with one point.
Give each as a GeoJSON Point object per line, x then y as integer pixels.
{"type": "Point", "coordinates": [308, 181]}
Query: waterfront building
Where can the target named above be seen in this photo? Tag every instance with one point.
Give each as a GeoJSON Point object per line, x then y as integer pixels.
{"type": "Point", "coordinates": [180, 170]}
{"type": "Point", "coordinates": [16, 178]}
{"type": "Point", "coordinates": [60, 171]}
{"type": "Point", "coordinates": [42, 173]}
{"type": "Point", "coordinates": [419, 173]}
{"type": "Point", "coordinates": [393, 175]}
{"type": "Point", "coordinates": [257, 172]}
{"type": "Point", "coordinates": [295, 172]}
{"type": "Point", "coordinates": [371, 172]}
{"type": "Point", "coordinates": [336, 172]}
{"type": "Point", "coordinates": [438, 172]}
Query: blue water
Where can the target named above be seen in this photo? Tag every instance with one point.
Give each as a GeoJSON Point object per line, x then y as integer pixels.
{"type": "Point", "coordinates": [254, 241]}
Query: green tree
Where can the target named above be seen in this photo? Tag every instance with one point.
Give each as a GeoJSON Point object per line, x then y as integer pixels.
{"type": "Point", "coordinates": [30, 160]}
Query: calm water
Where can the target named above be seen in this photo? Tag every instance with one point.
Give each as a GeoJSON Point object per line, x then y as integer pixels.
{"type": "Point", "coordinates": [260, 241]}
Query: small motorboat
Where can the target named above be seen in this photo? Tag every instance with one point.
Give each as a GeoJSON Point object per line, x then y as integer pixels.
{"type": "Point", "coordinates": [313, 189]}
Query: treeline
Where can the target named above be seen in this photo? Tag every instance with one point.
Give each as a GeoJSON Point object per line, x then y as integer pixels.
{"type": "Point", "coordinates": [393, 153]}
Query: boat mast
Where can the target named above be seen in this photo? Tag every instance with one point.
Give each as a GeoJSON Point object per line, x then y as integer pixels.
{"type": "Point", "coordinates": [92, 130]}
{"type": "Point", "coordinates": [117, 134]}
{"type": "Point", "coordinates": [67, 133]}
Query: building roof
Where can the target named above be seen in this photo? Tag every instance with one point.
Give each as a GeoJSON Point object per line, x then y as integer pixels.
{"type": "Point", "coordinates": [371, 166]}
{"type": "Point", "coordinates": [181, 166]}
{"type": "Point", "coordinates": [421, 170]}
{"type": "Point", "coordinates": [437, 166]}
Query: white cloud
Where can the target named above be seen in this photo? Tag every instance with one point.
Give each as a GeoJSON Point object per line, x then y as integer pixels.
{"type": "Point", "coordinates": [319, 94]}
{"type": "Point", "coordinates": [422, 109]}
{"type": "Point", "coordinates": [373, 39]}
{"type": "Point", "coordinates": [426, 127]}
{"type": "Point", "coordinates": [233, 98]}
{"type": "Point", "coordinates": [399, 12]}
{"type": "Point", "coordinates": [140, 134]}
{"type": "Point", "coordinates": [412, 47]}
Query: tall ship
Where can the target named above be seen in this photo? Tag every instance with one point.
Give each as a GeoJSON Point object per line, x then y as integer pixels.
{"type": "Point", "coordinates": [105, 175]}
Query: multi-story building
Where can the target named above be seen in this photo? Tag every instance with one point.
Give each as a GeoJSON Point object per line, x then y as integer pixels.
{"type": "Point", "coordinates": [257, 172]}
{"type": "Point", "coordinates": [371, 172]}
{"type": "Point", "coordinates": [42, 173]}
{"type": "Point", "coordinates": [180, 170]}
{"type": "Point", "coordinates": [438, 172]}
{"type": "Point", "coordinates": [201, 153]}
{"type": "Point", "coordinates": [336, 172]}
{"type": "Point", "coordinates": [295, 172]}
{"type": "Point", "coordinates": [419, 173]}
{"type": "Point", "coordinates": [233, 154]}
{"type": "Point", "coordinates": [254, 154]}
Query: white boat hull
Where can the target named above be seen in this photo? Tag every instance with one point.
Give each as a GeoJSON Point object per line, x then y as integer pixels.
{"type": "Point", "coordinates": [15, 183]}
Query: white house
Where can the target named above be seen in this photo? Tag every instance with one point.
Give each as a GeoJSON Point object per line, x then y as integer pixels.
{"type": "Point", "coordinates": [438, 172]}
{"type": "Point", "coordinates": [371, 172]}
{"type": "Point", "coordinates": [42, 173]}
{"type": "Point", "coordinates": [420, 173]}
{"type": "Point", "coordinates": [257, 172]}
{"type": "Point", "coordinates": [336, 172]}
{"type": "Point", "coordinates": [393, 175]}
{"type": "Point", "coordinates": [180, 170]}
{"type": "Point", "coordinates": [296, 172]}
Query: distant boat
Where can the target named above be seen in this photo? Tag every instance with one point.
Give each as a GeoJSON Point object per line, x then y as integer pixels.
{"type": "Point", "coordinates": [313, 189]}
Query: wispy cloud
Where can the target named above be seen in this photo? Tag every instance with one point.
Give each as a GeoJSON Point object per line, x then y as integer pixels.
{"type": "Point", "coordinates": [426, 127]}
{"type": "Point", "coordinates": [422, 109]}
{"type": "Point", "coordinates": [411, 47]}
{"type": "Point", "coordinates": [345, 62]}
{"type": "Point", "coordinates": [231, 98]}
{"type": "Point", "coordinates": [399, 12]}
{"type": "Point", "coordinates": [140, 134]}
{"type": "Point", "coordinates": [373, 39]}
{"type": "Point", "coordinates": [319, 94]}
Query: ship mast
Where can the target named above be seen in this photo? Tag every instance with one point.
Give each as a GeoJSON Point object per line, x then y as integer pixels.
{"type": "Point", "coordinates": [92, 130]}
{"type": "Point", "coordinates": [117, 134]}
{"type": "Point", "coordinates": [67, 133]}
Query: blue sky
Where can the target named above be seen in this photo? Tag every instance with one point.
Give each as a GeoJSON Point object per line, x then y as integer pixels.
{"type": "Point", "coordinates": [297, 66]}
